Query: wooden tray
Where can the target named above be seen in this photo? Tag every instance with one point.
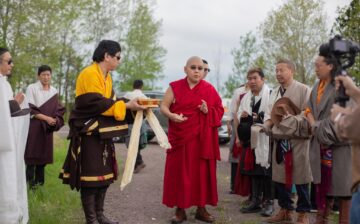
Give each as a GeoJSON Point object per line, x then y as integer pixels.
{"type": "Point", "coordinates": [149, 102]}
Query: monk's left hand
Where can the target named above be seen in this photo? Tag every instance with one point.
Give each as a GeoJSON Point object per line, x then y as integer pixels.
{"type": "Point", "coordinates": [203, 107]}
{"type": "Point", "coordinates": [19, 97]}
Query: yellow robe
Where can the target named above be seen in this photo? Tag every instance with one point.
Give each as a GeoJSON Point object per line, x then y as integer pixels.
{"type": "Point", "coordinates": [92, 80]}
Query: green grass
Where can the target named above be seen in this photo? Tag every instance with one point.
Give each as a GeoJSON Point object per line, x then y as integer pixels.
{"type": "Point", "coordinates": [55, 202]}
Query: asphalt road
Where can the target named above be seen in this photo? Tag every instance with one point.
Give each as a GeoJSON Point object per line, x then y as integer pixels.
{"type": "Point", "coordinates": [140, 201]}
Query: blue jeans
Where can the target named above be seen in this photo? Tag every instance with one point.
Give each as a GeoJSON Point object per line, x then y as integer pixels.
{"type": "Point", "coordinates": [355, 208]}
{"type": "Point", "coordinates": [285, 201]}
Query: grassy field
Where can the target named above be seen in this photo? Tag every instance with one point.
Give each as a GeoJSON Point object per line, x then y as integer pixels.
{"type": "Point", "coordinates": [55, 202]}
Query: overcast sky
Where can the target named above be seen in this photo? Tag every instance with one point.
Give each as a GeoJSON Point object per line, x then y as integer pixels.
{"type": "Point", "coordinates": [209, 28]}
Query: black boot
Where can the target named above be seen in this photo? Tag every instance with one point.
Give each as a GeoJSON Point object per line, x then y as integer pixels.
{"type": "Point", "coordinates": [100, 198]}
{"type": "Point", "coordinates": [88, 203]}
{"type": "Point", "coordinates": [268, 208]}
{"type": "Point", "coordinates": [255, 203]}
{"type": "Point", "coordinates": [253, 207]}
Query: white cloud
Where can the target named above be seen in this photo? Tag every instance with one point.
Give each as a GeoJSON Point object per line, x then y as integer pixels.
{"type": "Point", "coordinates": [205, 27]}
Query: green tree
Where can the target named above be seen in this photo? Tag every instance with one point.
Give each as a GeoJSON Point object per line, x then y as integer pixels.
{"type": "Point", "coordinates": [143, 54]}
{"type": "Point", "coordinates": [244, 58]}
{"type": "Point", "coordinates": [348, 25]}
{"type": "Point", "coordinates": [295, 31]}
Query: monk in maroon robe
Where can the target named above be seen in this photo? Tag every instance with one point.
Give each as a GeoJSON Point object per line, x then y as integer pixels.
{"type": "Point", "coordinates": [194, 109]}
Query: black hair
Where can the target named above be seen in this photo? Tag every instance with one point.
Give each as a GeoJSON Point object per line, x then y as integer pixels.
{"type": "Point", "coordinates": [44, 68]}
{"type": "Point", "coordinates": [256, 70]}
{"type": "Point", "coordinates": [330, 59]}
{"type": "Point", "coordinates": [106, 46]}
{"type": "Point", "coordinates": [138, 84]}
{"type": "Point", "coordinates": [204, 61]}
{"type": "Point", "coordinates": [3, 50]}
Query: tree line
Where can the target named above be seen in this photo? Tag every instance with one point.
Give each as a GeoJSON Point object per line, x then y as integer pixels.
{"type": "Point", "coordinates": [294, 31]}
{"type": "Point", "coordinates": [63, 34]}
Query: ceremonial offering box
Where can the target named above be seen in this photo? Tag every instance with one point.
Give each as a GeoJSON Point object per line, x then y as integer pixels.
{"type": "Point", "coordinates": [149, 102]}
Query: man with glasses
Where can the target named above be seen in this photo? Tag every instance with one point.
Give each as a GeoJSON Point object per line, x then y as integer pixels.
{"type": "Point", "coordinates": [96, 118]}
{"type": "Point", "coordinates": [14, 129]}
{"type": "Point", "coordinates": [194, 110]}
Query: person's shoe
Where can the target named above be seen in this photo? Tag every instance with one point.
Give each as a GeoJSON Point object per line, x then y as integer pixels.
{"type": "Point", "coordinates": [283, 215]}
{"type": "Point", "coordinates": [139, 167]}
{"type": "Point", "coordinates": [252, 208]}
{"type": "Point", "coordinates": [179, 217]}
{"type": "Point", "coordinates": [268, 209]}
{"type": "Point", "coordinates": [302, 218]}
{"type": "Point", "coordinates": [203, 215]}
{"type": "Point", "coordinates": [246, 202]}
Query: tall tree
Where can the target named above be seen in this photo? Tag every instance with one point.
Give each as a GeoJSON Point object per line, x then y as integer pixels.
{"type": "Point", "coordinates": [244, 58]}
{"type": "Point", "coordinates": [143, 54]}
{"type": "Point", "coordinates": [295, 31]}
{"type": "Point", "coordinates": [348, 25]}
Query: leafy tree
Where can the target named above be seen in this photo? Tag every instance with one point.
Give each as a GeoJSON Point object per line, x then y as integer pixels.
{"type": "Point", "coordinates": [347, 24]}
{"type": "Point", "coordinates": [295, 31]}
{"type": "Point", "coordinates": [143, 54]}
{"type": "Point", "coordinates": [244, 58]}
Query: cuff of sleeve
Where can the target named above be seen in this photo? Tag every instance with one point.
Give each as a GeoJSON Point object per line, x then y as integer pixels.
{"type": "Point", "coordinates": [119, 110]}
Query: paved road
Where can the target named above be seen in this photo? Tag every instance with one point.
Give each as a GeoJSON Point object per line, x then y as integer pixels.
{"type": "Point", "coordinates": [140, 202]}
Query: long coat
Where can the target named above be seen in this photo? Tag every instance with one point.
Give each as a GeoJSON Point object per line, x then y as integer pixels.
{"type": "Point", "coordinates": [324, 133]}
{"type": "Point", "coordinates": [301, 172]}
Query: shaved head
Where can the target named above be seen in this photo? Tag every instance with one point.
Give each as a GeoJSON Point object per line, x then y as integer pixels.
{"type": "Point", "coordinates": [192, 59]}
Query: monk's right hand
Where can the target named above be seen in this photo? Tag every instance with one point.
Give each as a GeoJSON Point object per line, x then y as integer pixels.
{"type": "Point", "coordinates": [133, 105]}
{"type": "Point", "coordinates": [177, 117]}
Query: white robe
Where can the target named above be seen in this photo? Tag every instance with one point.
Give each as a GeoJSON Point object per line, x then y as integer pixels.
{"type": "Point", "coordinates": [14, 131]}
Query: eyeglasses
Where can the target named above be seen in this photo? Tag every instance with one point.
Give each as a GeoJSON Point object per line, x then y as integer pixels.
{"type": "Point", "coordinates": [194, 67]}
{"type": "Point", "coordinates": [9, 62]}
{"type": "Point", "coordinates": [206, 69]}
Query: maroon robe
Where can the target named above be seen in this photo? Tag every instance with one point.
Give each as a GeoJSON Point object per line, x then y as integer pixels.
{"type": "Point", "coordinates": [39, 146]}
{"type": "Point", "coordinates": [190, 170]}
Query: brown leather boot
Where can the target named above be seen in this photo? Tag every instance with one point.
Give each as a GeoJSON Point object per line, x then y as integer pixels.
{"type": "Point", "coordinates": [88, 203]}
{"type": "Point", "coordinates": [302, 218]}
{"type": "Point", "coordinates": [344, 216]}
{"type": "Point", "coordinates": [179, 217]}
{"type": "Point", "coordinates": [100, 198]}
{"type": "Point", "coordinates": [283, 215]}
{"type": "Point", "coordinates": [203, 215]}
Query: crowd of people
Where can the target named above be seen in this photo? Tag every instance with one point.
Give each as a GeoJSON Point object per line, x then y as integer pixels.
{"type": "Point", "coordinates": [282, 139]}
{"type": "Point", "coordinates": [292, 137]}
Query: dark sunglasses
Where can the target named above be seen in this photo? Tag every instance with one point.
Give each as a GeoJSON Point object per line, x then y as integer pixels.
{"type": "Point", "coordinates": [9, 62]}
{"type": "Point", "coordinates": [207, 69]}
{"type": "Point", "coordinates": [194, 67]}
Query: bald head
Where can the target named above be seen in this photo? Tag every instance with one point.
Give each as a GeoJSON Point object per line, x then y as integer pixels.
{"type": "Point", "coordinates": [193, 59]}
{"type": "Point", "coordinates": [194, 70]}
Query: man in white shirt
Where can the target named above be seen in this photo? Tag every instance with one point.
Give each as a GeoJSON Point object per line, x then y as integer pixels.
{"type": "Point", "coordinates": [137, 93]}
{"type": "Point", "coordinates": [15, 126]}
{"type": "Point", "coordinates": [46, 117]}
